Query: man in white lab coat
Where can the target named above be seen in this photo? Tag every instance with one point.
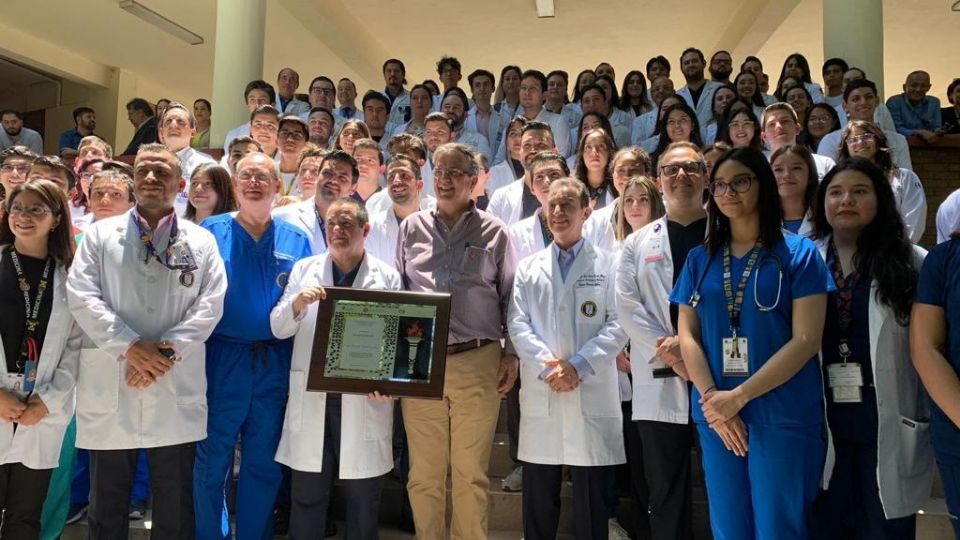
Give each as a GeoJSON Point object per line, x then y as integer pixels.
{"type": "Point", "coordinates": [698, 92]}
{"type": "Point", "coordinates": [564, 327]}
{"type": "Point", "coordinates": [403, 188]}
{"type": "Point", "coordinates": [515, 201]}
{"type": "Point", "coordinates": [650, 263]}
{"type": "Point", "coordinates": [148, 289]}
{"type": "Point", "coordinates": [860, 101]}
{"type": "Point", "coordinates": [288, 81]}
{"type": "Point", "coordinates": [328, 436]}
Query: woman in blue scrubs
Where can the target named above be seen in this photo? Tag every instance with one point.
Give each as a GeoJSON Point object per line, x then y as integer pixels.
{"type": "Point", "coordinates": [752, 304]}
{"type": "Point", "coordinates": [879, 463]}
{"type": "Point", "coordinates": [935, 349]}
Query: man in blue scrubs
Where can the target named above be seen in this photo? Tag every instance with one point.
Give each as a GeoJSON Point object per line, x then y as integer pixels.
{"type": "Point", "coordinates": [247, 368]}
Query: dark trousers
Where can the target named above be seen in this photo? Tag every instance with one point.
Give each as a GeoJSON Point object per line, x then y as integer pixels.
{"type": "Point", "coordinates": [664, 451]}
{"type": "Point", "coordinates": [310, 492]}
{"type": "Point", "coordinates": [171, 487]}
{"type": "Point", "coordinates": [851, 509]}
{"type": "Point", "coordinates": [541, 501]}
{"type": "Point", "coordinates": [22, 492]}
{"type": "Point", "coordinates": [637, 481]}
{"type": "Point", "coordinates": [513, 420]}
{"type": "Point", "coordinates": [950, 478]}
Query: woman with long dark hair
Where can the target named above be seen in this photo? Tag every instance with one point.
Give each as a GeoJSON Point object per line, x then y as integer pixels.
{"type": "Point", "coordinates": [748, 87]}
{"type": "Point", "coordinates": [752, 302]}
{"type": "Point", "coordinates": [678, 123]}
{"type": "Point", "coordinates": [800, 99]}
{"type": "Point", "coordinates": [740, 128]}
{"type": "Point", "coordinates": [796, 174]}
{"type": "Point", "coordinates": [867, 140]}
{"type": "Point", "coordinates": [211, 193]}
{"type": "Point", "coordinates": [797, 67]}
{"type": "Point", "coordinates": [633, 95]}
{"type": "Point", "coordinates": [594, 152]}
{"type": "Point", "coordinates": [507, 97]}
{"type": "Point", "coordinates": [723, 96]}
{"type": "Point", "coordinates": [41, 349]}
{"type": "Point", "coordinates": [879, 463]}
{"type": "Point", "coordinates": [821, 119]}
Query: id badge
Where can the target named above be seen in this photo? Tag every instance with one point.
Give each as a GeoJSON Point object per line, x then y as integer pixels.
{"type": "Point", "coordinates": [845, 382]}
{"type": "Point", "coordinates": [13, 383]}
{"type": "Point", "coordinates": [735, 357]}
{"type": "Point", "coordinates": [30, 375]}
{"type": "Point", "coordinates": [655, 250]}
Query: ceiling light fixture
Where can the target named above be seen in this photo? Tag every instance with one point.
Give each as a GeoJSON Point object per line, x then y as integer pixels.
{"type": "Point", "coordinates": [152, 17]}
{"type": "Point", "coordinates": [544, 8]}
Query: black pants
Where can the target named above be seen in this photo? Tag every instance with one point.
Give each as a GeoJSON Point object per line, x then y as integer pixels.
{"type": "Point", "coordinates": [310, 492]}
{"type": "Point", "coordinates": [637, 481]}
{"type": "Point", "coordinates": [513, 420]}
{"type": "Point", "coordinates": [171, 489]}
{"type": "Point", "coordinates": [851, 508]}
{"type": "Point", "coordinates": [22, 492]}
{"type": "Point", "coordinates": [664, 450]}
{"type": "Point", "coordinates": [541, 501]}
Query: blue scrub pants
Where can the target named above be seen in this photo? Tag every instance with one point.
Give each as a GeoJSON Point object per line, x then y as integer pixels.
{"type": "Point", "coordinates": [247, 387]}
{"type": "Point", "coordinates": [768, 493]}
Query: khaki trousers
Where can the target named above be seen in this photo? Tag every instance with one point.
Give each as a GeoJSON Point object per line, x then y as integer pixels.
{"type": "Point", "coordinates": [455, 432]}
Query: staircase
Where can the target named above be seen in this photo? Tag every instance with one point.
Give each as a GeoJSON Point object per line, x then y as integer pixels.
{"type": "Point", "coordinates": [504, 513]}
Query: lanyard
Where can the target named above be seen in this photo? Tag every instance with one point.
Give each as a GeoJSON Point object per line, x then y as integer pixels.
{"type": "Point", "coordinates": [844, 299]}
{"type": "Point", "coordinates": [323, 226]}
{"type": "Point", "coordinates": [146, 238]}
{"type": "Point", "coordinates": [547, 233]}
{"type": "Point", "coordinates": [29, 352]}
{"type": "Point", "coordinates": [735, 298]}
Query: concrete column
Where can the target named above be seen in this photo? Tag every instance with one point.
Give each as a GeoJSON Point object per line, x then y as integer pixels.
{"type": "Point", "coordinates": [853, 30]}
{"type": "Point", "coordinates": [238, 59]}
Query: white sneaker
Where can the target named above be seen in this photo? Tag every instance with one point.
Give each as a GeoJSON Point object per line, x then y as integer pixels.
{"type": "Point", "coordinates": [514, 481]}
{"type": "Point", "coordinates": [615, 531]}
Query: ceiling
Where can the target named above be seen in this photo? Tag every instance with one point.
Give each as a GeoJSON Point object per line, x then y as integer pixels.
{"type": "Point", "coordinates": [83, 40]}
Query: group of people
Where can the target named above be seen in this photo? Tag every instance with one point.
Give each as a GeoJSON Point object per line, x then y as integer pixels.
{"type": "Point", "coordinates": [638, 275]}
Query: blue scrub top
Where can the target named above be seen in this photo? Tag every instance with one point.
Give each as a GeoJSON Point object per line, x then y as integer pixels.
{"type": "Point", "coordinates": [799, 401]}
{"type": "Point", "coordinates": [939, 285]}
{"type": "Point", "coordinates": [257, 273]}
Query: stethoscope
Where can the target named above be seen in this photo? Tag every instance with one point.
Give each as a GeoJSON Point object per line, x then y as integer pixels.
{"type": "Point", "coordinates": [765, 258]}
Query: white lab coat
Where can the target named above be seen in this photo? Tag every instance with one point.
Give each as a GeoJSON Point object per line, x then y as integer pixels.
{"type": "Point", "coordinates": [38, 446]}
{"type": "Point", "coordinates": [948, 217]}
{"type": "Point", "coordinates": [911, 201]}
{"type": "Point", "coordinates": [476, 141]}
{"type": "Point", "coordinates": [294, 106]}
{"type": "Point", "coordinates": [303, 216]}
{"type": "Point", "coordinates": [704, 107]}
{"type": "Point", "coordinates": [899, 148]}
{"type": "Point", "coordinates": [400, 106]}
{"type": "Point", "coordinates": [243, 130]}
{"type": "Point", "coordinates": [357, 113]}
{"type": "Point", "coordinates": [381, 242]}
{"type": "Point", "coordinates": [495, 128]}
{"type": "Point", "coordinates": [366, 438]}
{"type": "Point", "coordinates": [117, 299]}
{"type": "Point", "coordinates": [560, 129]}
{"type": "Point", "coordinates": [552, 318]}
{"type": "Point", "coordinates": [507, 202]}
{"type": "Point", "coordinates": [881, 116]}
{"type": "Point", "coordinates": [905, 454]}
{"type": "Point", "coordinates": [380, 202]}
{"type": "Point", "coordinates": [527, 236]}
{"type": "Point", "coordinates": [598, 229]}
{"type": "Point", "coordinates": [643, 127]}
{"type": "Point", "coordinates": [644, 283]}
{"type": "Point", "coordinates": [501, 175]}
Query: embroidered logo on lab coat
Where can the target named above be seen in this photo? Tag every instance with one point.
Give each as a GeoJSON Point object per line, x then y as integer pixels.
{"type": "Point", "coordinates": [588, 308]}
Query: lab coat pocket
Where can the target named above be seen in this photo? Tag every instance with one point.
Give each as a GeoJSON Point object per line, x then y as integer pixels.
{"type": "Point", "coordinates": [916, 452]}
{"type": "Point", "coordinates": [599, 396]}
{"type": "Point", "coordinates": [189, 377]}
{"type": "Point", "coordinates": [377, 420]}
{"type": "Point", "coordinates": [98, 382]}
{"type": "Point", "coordinates": [535, 399]}
{"type": "Point", "coordinates": [294, 416]}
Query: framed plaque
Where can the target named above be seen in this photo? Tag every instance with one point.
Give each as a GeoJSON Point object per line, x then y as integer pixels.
{"type": "Point", "coordinates": [394, 342]}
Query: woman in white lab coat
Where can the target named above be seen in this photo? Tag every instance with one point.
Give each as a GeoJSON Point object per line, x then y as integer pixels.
{"type": "Point", "coordinates": [39, 353]}
{"type": "Point", "coordinates": [867, 140]}
{"type": "Point", "coordinates": [796, 175]}
{"type": "Point", "coordinates": [365, 452]}
{"type": "Point", "coordinates": [879, 465]}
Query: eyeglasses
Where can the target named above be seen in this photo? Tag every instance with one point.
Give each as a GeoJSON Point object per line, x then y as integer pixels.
{"type": "Point", "coordinates": [247, 177]}
{"type": "Point", "coordinates": [689, 167]}
{"type": "Point", "coordinates": [18, 167]}
{"type": "Point", "coordinates": [37, 211]}
{"type": "Point", "coordinates": [452, 174]}
{"type": "Point", "coordinates": [739, 184]}
{"type": "Point", "coordinates": [819, 119]}
{"type": "Point", "coordinates": [322, 91]}
{"type": "Point", "coordinates": [860, 139]}
{"type": "Point", "coordinates": [295, 135]}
